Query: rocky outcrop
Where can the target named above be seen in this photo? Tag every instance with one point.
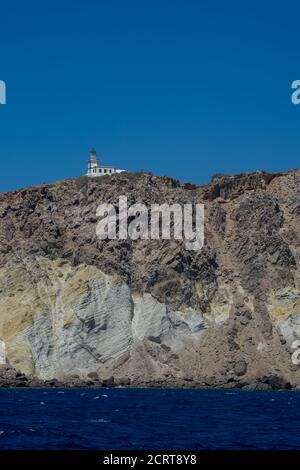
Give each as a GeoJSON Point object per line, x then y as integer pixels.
{"type": "Point", "coordinates": [74, 309]}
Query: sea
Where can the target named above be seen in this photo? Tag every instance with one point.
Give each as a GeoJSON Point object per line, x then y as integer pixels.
{"type": "Point", "coordinates": [150, 419]}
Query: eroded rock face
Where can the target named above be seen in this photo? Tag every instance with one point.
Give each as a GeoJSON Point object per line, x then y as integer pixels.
{"type": "Point", "coordinates": [151, 312]}
{"type": "Point", "coordinates": [73, 320]}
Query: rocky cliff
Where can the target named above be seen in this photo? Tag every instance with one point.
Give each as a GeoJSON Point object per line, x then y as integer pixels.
{"type": "Point", "coordinates": [151, 312]}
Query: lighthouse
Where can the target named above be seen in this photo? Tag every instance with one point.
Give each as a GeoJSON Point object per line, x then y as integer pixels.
{"type": "Point", "coordinates": [93, 163]}
{"type": "Point", "coordinates": [94, 168]}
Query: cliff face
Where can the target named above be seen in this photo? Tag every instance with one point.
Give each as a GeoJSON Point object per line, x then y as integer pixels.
{"type": "Point", "coordinates": [146, 310]}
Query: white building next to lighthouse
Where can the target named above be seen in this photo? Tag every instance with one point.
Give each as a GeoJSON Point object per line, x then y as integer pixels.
{"type": "Point", "coordinates": [95, 169]}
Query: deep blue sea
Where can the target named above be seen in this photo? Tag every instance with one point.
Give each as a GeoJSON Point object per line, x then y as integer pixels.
{"type": "Point", "coordinates": [148, 419]}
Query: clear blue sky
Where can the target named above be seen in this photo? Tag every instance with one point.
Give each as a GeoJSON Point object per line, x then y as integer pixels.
{"type": "Point", "coordinates": [184, 88]}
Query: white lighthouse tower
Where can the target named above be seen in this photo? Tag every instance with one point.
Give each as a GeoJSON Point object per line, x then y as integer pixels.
{"type": "Point", "coordinates": [94, 169]}
{"type": "Point", "coordinates": [93, 163]}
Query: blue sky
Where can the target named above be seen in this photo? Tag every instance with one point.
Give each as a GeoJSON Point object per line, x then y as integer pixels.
{"type": "Point", "coordinates": [183, 88]}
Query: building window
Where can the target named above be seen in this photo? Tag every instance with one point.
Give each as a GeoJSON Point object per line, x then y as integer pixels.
{"type": "Point", "coordinates": [104, 171]}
